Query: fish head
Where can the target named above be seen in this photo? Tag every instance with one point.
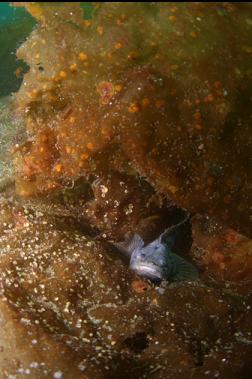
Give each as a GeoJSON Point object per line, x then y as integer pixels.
{"type": "Point", "coordinates": [150, 262]}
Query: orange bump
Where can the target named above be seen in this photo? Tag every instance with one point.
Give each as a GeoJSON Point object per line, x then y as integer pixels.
{"type": "Point", "coordinates": [58, 167]}
{"type": "Point", "coordinates": [145, 102]}
{"type": "Point", "coordinates": [73, 67]}
{"type": "Point", "coordinates": [63, 74]}
{"type": "Point", "coordinates": [100, 30]}
{"type": "Point", "coordinates": [231, 237]}
{"type": "Point", "coordinates": [33, 94]}
{"type": "Point", "coordinates": [172, 18]}
{"type": "Point", "coordinates": [84, 156]}
{"type": "Point", "coordinates": [140, 286]}
{"type": "Point", "coordinates": [210, 98]}
{"type": "Point", "coordinates": [87, 23]}
{"type": "Point", "coordinates": [173, 189]}
{"type": "Point", "coordinates": [90, 145]}
{"type": "Point", "coordinates": [82, 56]}
{"type": "Point", "coordinates": [56, 79]}
{"type": "Point", "coordinates": [18, 72]}
{"type": "Point", "coordinates": [118, 45]}
{"type": "Point", "coordinates": [133, 108]}
{"type": "Point", "coordinates": [217, 85]}
{"type": "Point", "coordinates": [159, 104]}
{"type": "Point", "coordinates": [106, 91]}
{"type": "Point", "coordinates": [194, 34]}
{"type": "Point", "coordinates": [118, 87]}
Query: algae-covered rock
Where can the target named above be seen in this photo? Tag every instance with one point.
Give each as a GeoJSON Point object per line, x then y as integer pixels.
{"type": "Point", "coordinates": [12, 132]}
{"type": "Point", "coordinates": [144, 103]}
{"type": "Point", "coordinates": [165, 88]}
{"type": "Point", "coordinates": [223, 253]}
{"type": "Point", "coordinates": [70, 308]}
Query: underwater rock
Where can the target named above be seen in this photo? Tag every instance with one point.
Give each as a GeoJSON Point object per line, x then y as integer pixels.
{"type": "Point", "coordinates": [157, 97]}
{"type": "Point", "coordinates": [165, 88]}
{"type": "Point", "coordinates": [12, 132]}
{"type": "Point", "coordinates": [125, 204]}
{"type": "Point", "coordinates": [223, 253]}
{"type": "Point", "coordinates": [73, 301]}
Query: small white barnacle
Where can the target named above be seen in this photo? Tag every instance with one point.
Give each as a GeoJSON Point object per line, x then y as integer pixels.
{"type": "Point", "coordinates": [128, 209]}
{"type": "Point", "coordinates": [104, 190]}
{"type": "Point", "coordinates": [58, 375]}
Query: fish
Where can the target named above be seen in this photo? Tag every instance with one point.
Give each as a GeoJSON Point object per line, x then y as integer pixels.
{"type": "Point", "coordinates": [157, 261]}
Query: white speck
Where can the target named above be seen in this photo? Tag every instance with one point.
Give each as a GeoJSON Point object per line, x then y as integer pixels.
{"type": "Point", "coordinates": [25, 321]}
{"type": "Point", "coordinates": [104, 190]}
{"type": "Point", "coordinates": [78, 323]}
{"type": "Point", "coordinates": [81, 366]}
{"type": "Point", "coordinates": [58, 375]}
{"type": "Point", "coordinates": [129, 209]}
{"type": "Point", "coordinates": [66, 309]}
{"type": "Point", "coordinates": [34, 364]}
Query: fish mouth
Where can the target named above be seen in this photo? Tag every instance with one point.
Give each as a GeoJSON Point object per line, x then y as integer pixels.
{"type": "Point", "coordinates": [148, 271]}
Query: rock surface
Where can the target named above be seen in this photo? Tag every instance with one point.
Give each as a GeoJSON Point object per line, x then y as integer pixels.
{"type": "Point", "coordinates": [71, 309]}
{"type": "Point", "coordinates": [160, 90]}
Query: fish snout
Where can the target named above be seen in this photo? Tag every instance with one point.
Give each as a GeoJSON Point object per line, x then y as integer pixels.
{"type": "Point", "coordinates": [148, 270]}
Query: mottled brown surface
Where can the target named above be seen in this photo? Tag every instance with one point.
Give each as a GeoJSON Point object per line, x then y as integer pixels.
{"type": "Point", "coordinates": [142, 104]}
{"type": "Point", "coordinates": [163, 89]}
{"type": "Point", "coordinates": [224, 253]}
{"type": "Point", "coordinates": [70, 305]}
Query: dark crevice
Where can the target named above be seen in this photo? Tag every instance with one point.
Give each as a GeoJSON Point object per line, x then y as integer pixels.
{"type": "Point", "coordinates": [198, 349]}
{"type": "Point", "coordinates": [137, 343]}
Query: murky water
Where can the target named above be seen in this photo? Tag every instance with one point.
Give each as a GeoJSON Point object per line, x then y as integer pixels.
{"type": "Point", "coordinates": [108, 135]}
